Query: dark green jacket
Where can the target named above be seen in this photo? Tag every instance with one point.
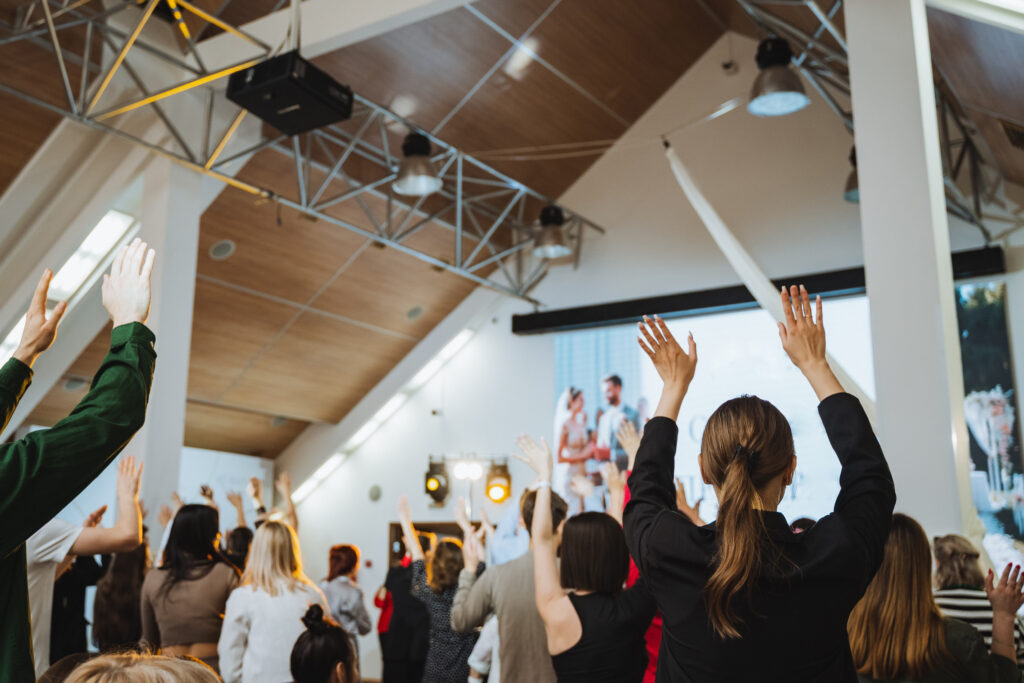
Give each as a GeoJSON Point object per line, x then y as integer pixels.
{"type": "Point", "coordinates": [971, 663]}
{"type": "Point", "coordinates": [43, 472]}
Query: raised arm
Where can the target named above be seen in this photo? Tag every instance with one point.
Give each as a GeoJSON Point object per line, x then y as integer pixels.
{"type": "Point", "coordinates": [235, 498]}
{"type": "Point", "coordinates": [866, 492]}
{"type": "Point", "coordinates": [561, 622]}
{"type": "Point", "coordinates": [616, 483]}
{"type": "Point", "coordinates": [1006, 596]}
{"type": "Point", "coordinates": [43, 472]}
{"type": "Point", "coordinates": [650, 484]}
{"type": "Point", "coordinates": [412, 539]}
{"type": "Point", "coordinates": [284, 487]}
{"type": "Point", "coordinates": [126, 534]}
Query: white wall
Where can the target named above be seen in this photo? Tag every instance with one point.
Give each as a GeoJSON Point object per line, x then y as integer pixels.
{"type": "Point", "coordinates": [777, 183]}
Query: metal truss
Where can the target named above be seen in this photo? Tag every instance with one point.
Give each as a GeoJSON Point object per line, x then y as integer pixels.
{"type": "Point", "coordinates": [483, 208]}
{"type": "Point", "coordinates": [969, 179]}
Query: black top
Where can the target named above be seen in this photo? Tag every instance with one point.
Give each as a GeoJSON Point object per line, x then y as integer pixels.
{"type": "Point", "coordinates": [971, 663]}
{"type": "Point", "coordinates": [410, 624]}
{"type": "Point", "coordinates": [612, 648]}
{"type": "Point", "coordinates": [447, 652]}
{"type": "Point", "coordinates": [67, 630]}
{"type": "Point", "coordinates": [797, 631]}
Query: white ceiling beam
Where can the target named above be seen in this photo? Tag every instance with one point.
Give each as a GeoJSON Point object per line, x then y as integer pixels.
{"type": "Point", "coordinates": [327, 25]}
{"type": "Point", "coordinates": [1008, 14]}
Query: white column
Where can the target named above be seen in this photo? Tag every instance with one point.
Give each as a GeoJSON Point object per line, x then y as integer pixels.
{"type": "Point", "coordinates": [907, 260]}
{"type": "Point", "coordinates": [170, 223]}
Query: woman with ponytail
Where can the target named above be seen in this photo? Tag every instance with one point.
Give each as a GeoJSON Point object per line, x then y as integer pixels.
{"type": "Point", "coordinates": [324, 652]}
{"type": "Point", "coordinates": [736, 594]}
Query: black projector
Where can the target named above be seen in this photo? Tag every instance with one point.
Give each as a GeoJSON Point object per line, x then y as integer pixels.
{"type": "Point", "coordinates": [290, 94]}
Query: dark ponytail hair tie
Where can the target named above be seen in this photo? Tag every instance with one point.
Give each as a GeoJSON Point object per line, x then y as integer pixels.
{"type": "Point", "coordinates": [314, 619]}
{"type": "Point", "coordinates": [753, 457]}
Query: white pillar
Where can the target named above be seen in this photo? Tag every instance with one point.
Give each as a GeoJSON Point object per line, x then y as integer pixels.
{"type": "Point", "coordinates": [914, 329]}
{"type": "Point", "coordinates": [170, 223]}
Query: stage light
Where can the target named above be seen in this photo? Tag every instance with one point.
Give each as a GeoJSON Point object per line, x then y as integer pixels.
{"type": "Point", "coordinates": [550, 242]}
{"type": "Point", "coordinates": [499, 482]}
{"type": "Point", "coordinates": [416, 175]}
{"type": "Point", "coordinates": [777, 89]}
{"type": "Point", "coordinates": [852, 191]}
{"type": "Point", "coordinates": [435, 483]}
{"type": "Point", "coordinates": [469, 469]}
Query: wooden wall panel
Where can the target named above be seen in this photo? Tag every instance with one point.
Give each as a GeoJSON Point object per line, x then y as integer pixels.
{"type": "Point", "coordinates": [238, 431]}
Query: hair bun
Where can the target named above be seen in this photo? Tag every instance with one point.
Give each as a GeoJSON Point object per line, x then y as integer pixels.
{"type": "Point", "coordinates": [314, 619]}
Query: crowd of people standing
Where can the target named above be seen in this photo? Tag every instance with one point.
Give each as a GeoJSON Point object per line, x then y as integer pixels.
{"type": "Point", "coordinates": [642, 591]}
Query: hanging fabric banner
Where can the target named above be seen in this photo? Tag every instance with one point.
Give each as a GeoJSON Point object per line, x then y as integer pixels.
{"type": "Point", "coordinates": [750, 273]}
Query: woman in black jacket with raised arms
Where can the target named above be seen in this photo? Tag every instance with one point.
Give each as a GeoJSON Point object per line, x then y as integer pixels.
{"type": "Point", "coordinates": [736, 595]}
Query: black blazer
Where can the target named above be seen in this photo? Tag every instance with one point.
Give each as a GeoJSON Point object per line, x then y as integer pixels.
{"type": "Point", "coordinates": [797, 628]}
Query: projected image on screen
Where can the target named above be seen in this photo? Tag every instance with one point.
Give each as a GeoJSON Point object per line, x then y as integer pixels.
{"type": "Point", "coordinates": [602, 378]}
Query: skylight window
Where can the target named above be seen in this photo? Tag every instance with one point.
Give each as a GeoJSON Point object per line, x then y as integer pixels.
{"type": "Point", "coordinates": [88, 258]}
{"type": "Point", "coordinates": [80, 270]}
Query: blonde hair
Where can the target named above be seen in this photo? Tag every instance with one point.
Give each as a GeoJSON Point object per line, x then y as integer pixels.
{"type": "Point", "coordinates": [275, 563]}
{"type": "Point", "coordinates": [136, 668]}
{"type": "Point", "coordinates": [896, 630]}
{"type": "Point", "coordinates": [956, 563]}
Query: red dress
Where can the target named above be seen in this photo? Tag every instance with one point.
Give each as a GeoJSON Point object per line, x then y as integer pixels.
{"type": "Point", "coordinates": [653, 635]}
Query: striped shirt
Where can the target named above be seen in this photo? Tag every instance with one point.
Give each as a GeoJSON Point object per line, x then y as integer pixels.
{"type": "Point", "coordinates": [972, 605]}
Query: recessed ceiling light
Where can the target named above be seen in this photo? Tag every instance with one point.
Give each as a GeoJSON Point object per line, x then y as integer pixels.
{"type": "Point", "coordinates": [74, 384]}
{"type": "Point", "coordinates": [414, 312]}
{"type": "Point", "coordinates": [222, 250]}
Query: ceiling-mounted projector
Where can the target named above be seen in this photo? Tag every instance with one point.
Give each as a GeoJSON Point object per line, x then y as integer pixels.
{"type": "Point", "coordinates": [290, 94]}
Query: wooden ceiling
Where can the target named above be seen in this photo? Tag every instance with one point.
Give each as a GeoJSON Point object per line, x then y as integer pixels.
{"type": "Point", "coordinates": [305, 317]}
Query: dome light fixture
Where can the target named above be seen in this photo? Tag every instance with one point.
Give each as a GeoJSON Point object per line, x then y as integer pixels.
{"type": "Point", "coordinates": [852, 191]}
{"type": "Point", "coordinates": [550, 241]}
{"type": "Point", "coordinates": [777, 89]}
{"type": "Point", "coordinates": [499, 482]}
{"type": "Point", "coordinates": [416, 174]}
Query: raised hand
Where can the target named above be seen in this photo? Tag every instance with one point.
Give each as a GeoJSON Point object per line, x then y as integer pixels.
{"type": "Point", "coordinates": [39, 331]}
{"type": "Point", "coordinates": [803, 339]}
{"type": "Point", "coordinates": [1007, 595]}
{"type": "Point", "coordinates": [485, 523]}
{"type": "Point", "coordinates": [283, 484]}
{"type": "Point", "coordinates": [176, 502]}
{"type": "Point", "coordinates": [460, 516]}
{"type": "Point", "coordinates": [255, 490]}
{"type": "Point", "coordinates": [674, 366]}
{"type": "Point", "coordinates": [126, 290]}
{"type": "Point", "coordinates": [803, 333]}
{"type": "Point", "coordinates": [692, 513]}
{"type": "Point", "coordinates": [235, 498]}
{"type": "Point", "coordinates": [613, 478]}
{"type": "Point", "coordinates": [403, 509]}
{"type": "Point", "coordinates": [95, 517]}
{"type": "Point", "coordinates": [128, 476]}
{"type": "Point", "coordinates": [581, 486]}
{"type": "Point", "coordinates": [165, 516]}
{"type": "Point", "coordinates": [538, 457]}
{"type": "Point", "coordinates": [629, 439]}
{"type": "Point", "coordinates": [472, 553]}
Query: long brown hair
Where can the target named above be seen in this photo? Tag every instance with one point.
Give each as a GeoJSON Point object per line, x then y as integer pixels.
{"type": "Point", "coordinates": [896, 630]}
{"type": "Point", "coordinates": [445, 564]}
{"type": "Point", "coordinates": [342, 560]}
{"type": "Point", "coordinates": [116, 617]}
{"type": "Point", "coordinates": [747, 442]}
{"type": "Point", "coordinates": [956, 563]}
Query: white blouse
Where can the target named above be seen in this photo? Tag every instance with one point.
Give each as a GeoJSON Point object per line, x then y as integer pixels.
{"type": "Point", "coordinates": [259, 632]}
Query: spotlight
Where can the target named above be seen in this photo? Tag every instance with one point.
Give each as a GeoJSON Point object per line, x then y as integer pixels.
{"type": "Point", "coordinates": [469, 469]}
{"type": "Point", "coordinates": [777, 89]}
{"type": "Point", "coordinates": [499, 482]}
{"type": "Point", "coordinates": [550, 242]}
{"type": "Point", "coordinates": [416, 175]}
{"type": "Point", "coordinates": [852, 191]}
{"type": "Point", "coordinates": [435, 483]}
